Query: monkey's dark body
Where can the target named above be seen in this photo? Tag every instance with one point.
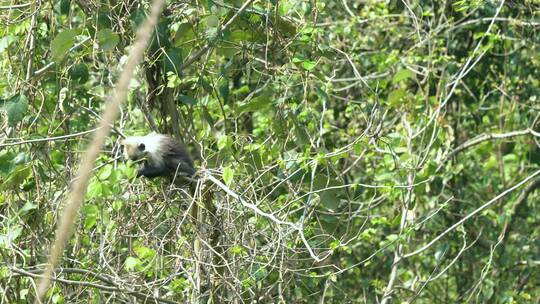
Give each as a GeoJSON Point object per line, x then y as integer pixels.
{"type": "Point", "coordinates": [175, 161]}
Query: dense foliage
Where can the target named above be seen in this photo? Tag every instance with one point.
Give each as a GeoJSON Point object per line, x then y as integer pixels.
{"type": "Point", "coordinates": [368, 151]}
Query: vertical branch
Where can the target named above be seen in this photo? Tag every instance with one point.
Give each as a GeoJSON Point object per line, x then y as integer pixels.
{"type": "Point", "coordinates": [69, 214]}
{"type": "Point", "coordinates": [195, 215]}
{"type": "Point", "coordinates": [405, 222]}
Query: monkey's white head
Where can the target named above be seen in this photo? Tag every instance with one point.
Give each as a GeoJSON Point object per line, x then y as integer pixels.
{"type": "Point", "coordinates": [134, 147]}
{"type": "Point", "coordinates": [139, 147]}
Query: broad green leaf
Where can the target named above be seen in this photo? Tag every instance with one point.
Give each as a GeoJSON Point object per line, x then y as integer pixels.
{"type": "Point", "coordinates": [64, 7]}
{"type": "Point", "coordinates": [173, 80]}
{"type": "Point", "coordinates": [309, 65]}
{"type": "Point", "coordinates": [6, 41]}
{"type": "Point", "coordinates": [17, 177]}
{"type": "Point", "coordinates": [224, 89]}
{"type": "Point", "coordinates": [258, 272]}
{"type": "Point", "coordinates": [6, 162]}
{"type": "Point", "coordinates": [402, 75]}
{"type": "Point", "coordinates": [28, 206]}
{"type": "Point", "coordinates": [21, 158]}
{"type": "Point", "coordinates": [90, 212]}
{"type": "Point", "coordinates": [16, 108]}
{"type": "Point", "coordinates": [95, 189]}
{"type": "Point", "coordinates": [179, 285]}
{"type": "Point", "coordinates": [145, 253]}
{"type": "Point", "coordinates": [103, 21]}
{"type": "Point", "coordinates": [79, 72]}
{"type": "Point", "coordinates": [160, 38]}
{"type": "Point", "coordinates": [187, 100]}
{"type": "Point", "coordinates": [257, 103]}
{"type": "Point", "coordinates": [57, 298]}
{"type": "Point", "coordinates": [329, 197]}
{"type": "Point", "coordinates": [172, 60]}
{"type": "Point", "coordinates": [62, 43]}
{"type": "Point", "coordinates": [228, 174]}
{"type": "Point", "coordinates": [297, 60]}
{"type": "Point", "coordinates": [240, 35]}
{"type": "Point", "coordinates": [132, 263]}
{"type": "Point", "coordinates": [395, 96]}
{"type": "Point", "coordinates": [212, 21]}
{"type": "Point", "coordinates": [13, 233]}
{"type": "Point", "coordinates": [107, 39]}
{"type": "Point", "coordinates": [237, 250]}
{"type": "Point", "coordinates": [105, 172]}
{"type": "Point", "coordinates": [224, 142]}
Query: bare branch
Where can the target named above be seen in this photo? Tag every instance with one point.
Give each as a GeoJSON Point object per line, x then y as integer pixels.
{"type": "Point", "coordinates": [470, 215]}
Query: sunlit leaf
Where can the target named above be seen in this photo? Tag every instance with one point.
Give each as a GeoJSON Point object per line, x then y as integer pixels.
{"type": "Point", "coordinates": [228, 174]}
{"type": "Point", "coordinates": [402, 75]}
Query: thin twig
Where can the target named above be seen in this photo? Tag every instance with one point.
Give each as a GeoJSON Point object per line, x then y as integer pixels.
{"type": "Point", "coordinates": [269, 216]}
{"type": "Point", "coordinates": [106, 288]}
{"type": "Point", "coordinates": [470, 215]}
{"type": "Point", "coordinates": [54, 138]}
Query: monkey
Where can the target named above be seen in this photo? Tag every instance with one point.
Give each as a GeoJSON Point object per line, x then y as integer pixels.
{"type": "Point", "coordinates": [161, 154]}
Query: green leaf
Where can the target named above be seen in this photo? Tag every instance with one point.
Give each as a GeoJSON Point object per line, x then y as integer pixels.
{"type": "Point", "coordinates": [240, 35]}
{"type": "Point", "coordinates": [395, 96]}
{"type": "Point", "coordinates": [237, 250]}
{"type": "Point", "coordinates": [105, 172]}
{"type": "Point", "coordinates": [62, 43]}
{"type": "Point", "coordinates": [90, 213]}
{"type": "Point", "coordinates": [95, 189]}
{"type": "Point", "coordinates": [21, 158]}
{"type": "Point", "coordinates": [6, 163]}
{"type": "Point", "coordinates": [392, 237]}
{"type": "Point", "coordinates": [6, 41]}
{"type": "Point", "coordinates": [107, 39]}
{"type": "Point", "coordinates": [224, 142]}
{"type": "Point", "coordinates": [187, 100]}
{"type": "Point", "coordinates": [17, 177]}
{"type": "Point", "coordinates": [28, 206]}
{"type": "Point", "coordinates": [257, 103]}
{"type": "Point", "coordinates": [329, 197]}
{"type": "Point", "coordinates": [302, 135]}
{"type": "Point", "coordinates": [6, 240]}
{"type": "Point", "coordinates": [224, 89]}
{"type": "Point", "coordinates": [208, 117]}
{"type": "Point", "coordinates": [172, 60]}
{"type": "Point", "coordinates": [132, 263]}
{"type": "Point", "coordinates": [79, 72]}
{"type": "Point", "coordinates": [103, 21]}
{"type": "Point", "coordinates": [117, 205]}
{"type": "Point", "coordinates": [212, 21]}
{"type": "Point", "coordinates": [258, 272]}
{"type": "Point", "coordinates": [228, 174]}
{"type": "Point", "coordinates": [64, 6]}
{"type": "Point", "coordinates": [297, 60]}
{"type": "Point", "coordinates": [15, 108]}
{"type": "Point", "coordinates": [178, 285]}
{"type": "Point", "coordinates": [402, 75]}
{"type": "Point", "coordinates": [309, 65]}
{"type": "Point", "coordinates": [57, 298]}
{"type": "Point", "coordinates": [160, 38]}
{"type": "Point", "coordinates": [145, 253]}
